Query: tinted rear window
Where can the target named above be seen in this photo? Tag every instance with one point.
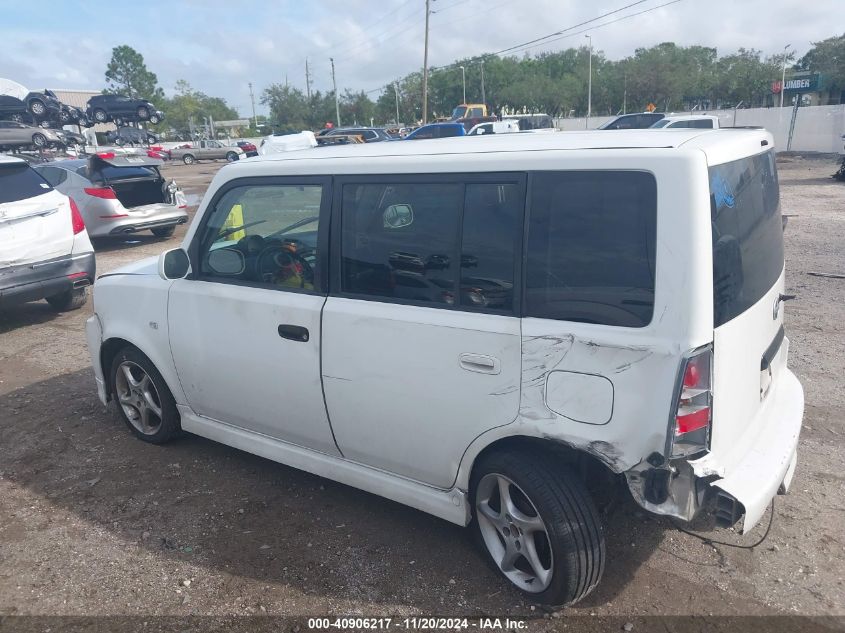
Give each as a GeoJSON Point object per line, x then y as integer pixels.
{"type": "Point", "coordinates": [747, 233]}
{"type": "Point", "coordinates": [591, 247]}
{"type": "Point", "coordinates": [19, 182]}
{"type": "Point", "coordinates": [110, 172]}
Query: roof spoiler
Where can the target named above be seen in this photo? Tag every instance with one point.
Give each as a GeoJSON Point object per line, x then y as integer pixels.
{"type": "Point", "coordinates": [124, 160]}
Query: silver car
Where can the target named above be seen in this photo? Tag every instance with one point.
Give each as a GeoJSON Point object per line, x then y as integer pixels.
{"type": "Point", "coordinates": [118, 195]}
{"type": "Point", "coordinates": [14, 134]}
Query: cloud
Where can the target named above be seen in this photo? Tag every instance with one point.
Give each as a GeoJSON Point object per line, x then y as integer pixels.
{"type": "Point", "coordinates": [219, 46]}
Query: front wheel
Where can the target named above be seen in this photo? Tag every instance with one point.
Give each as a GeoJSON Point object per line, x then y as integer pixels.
{"type": "Point", "coordinates": [539, 526]}
{"type": "Point", "coordinates": [37, 107]}
{"type": "Point", "coordinates": [231, 157]}
{"type": "Point", "coordinates": [100, 115]}
{"type": "Point", "coordinates": [154, 118]}
{"type": "Point", "coordinates": [143, 398]}
{"type": "Point", "coordinates": [39, 140]}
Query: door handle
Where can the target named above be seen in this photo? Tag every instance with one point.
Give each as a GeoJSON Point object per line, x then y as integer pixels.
{"type": "Point", "coordinates": [480, 363]}
{"type": "Point", "coordinates": [293, 333]}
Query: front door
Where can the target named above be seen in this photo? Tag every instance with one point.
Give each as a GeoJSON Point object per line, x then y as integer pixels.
{"type": "Point", "coordinates": [421, 333]}
{"type": "Point", "coordinates": [245, 326]}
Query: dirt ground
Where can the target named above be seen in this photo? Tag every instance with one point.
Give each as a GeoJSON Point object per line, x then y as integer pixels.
{"type": "Point", "coordinates": [94, 522]}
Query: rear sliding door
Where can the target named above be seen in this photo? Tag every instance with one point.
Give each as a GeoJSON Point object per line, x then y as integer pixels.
{"type": "Point", "coordinates": [421, 338]}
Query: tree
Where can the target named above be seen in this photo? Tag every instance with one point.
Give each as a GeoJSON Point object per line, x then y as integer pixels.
{"type": "Point", "coordinates": [189, 103]}
{"type": "Point", "coordinates": [127, 74]}
{"type": "Point", "coordinates": [828, 58]}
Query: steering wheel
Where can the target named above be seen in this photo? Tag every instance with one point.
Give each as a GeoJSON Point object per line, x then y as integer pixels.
{"type": "Point", "coordinates": [279, 265]}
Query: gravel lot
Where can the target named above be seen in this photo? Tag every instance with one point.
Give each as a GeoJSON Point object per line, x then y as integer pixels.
{"type": "Point", "coordinates": [94, 522]}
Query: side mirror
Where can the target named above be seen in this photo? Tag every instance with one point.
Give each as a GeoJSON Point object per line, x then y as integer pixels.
{"type": "Point", "coordinates": [226, 261]}
{"type": "Point", "coordinates": [173, 264]}
{"type": "Point", "coordinates": [398, 216]}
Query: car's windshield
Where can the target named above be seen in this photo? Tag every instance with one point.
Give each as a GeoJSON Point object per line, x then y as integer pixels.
{"type": "Point", "coordinates": [459, 112]}
{"type": "Point", "coordinates": [661, 123]}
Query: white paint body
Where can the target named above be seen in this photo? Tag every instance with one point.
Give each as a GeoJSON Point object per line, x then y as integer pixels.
{"type": "Point", "coordinates": [396, 399]}
{"type": "Point", "coordinates": [703, 121]}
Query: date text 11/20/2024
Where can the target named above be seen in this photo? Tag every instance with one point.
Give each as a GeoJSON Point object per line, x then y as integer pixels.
{"type": "Point", "coordinates": [417, 623]}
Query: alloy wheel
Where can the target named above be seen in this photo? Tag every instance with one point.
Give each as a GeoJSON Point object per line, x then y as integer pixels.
{"type": "Point", "coordinates": [514, 533]}
{"type": "Point", "coordinates": [138, 397]}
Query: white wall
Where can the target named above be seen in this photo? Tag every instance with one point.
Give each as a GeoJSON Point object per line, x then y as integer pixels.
{"type": "Point", "coordinates": [817, 128]}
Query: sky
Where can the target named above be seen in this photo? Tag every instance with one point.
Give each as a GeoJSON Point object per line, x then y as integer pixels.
{"type": "Point", "coordinates": [219, 46]}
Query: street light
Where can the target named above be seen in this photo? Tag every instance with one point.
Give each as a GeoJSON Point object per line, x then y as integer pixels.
{"type": "Point", "coordinates": [464, 82]}
{"type": "Point", "coordinates": [589, 84]}
{"type": "Point", "coordinates": [783, 75]}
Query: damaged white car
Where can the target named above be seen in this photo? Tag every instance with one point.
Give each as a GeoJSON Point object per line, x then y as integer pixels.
{"type": "Point", "coordinates": [489, 332]}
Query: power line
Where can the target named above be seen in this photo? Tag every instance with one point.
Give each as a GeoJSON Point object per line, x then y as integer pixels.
{"type": "Point", "coordinates": [570, 28]}
{"type": "Point", "coordinates": [598, 26]}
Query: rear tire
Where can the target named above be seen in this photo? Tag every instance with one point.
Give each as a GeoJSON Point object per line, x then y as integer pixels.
{"type": "Point", "coordinates": [546, 538]}
{"type": "Point", "coordinates": [70, 300]}
{"type": "Point", "coordinates": [39, 140]}
{"type": "Point", "coordinates": [164, 231]}
{"type": "Point", "coordinates": [231, 157]}
{"type": "Point", "coordinates": [188, 159]}
{"type": "Point", "coordinates": [143, 399]}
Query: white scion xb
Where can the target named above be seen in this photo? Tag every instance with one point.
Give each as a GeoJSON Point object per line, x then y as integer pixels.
{"type": "Point", "coordinates": [489, 332]}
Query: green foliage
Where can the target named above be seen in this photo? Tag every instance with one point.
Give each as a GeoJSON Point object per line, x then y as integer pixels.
{"type": "Point", "coordinates": [188, 103]}
{"type": "Point", "coordinates": [828, 58]}
{"type": "Point", "coordinates": [127, 74]}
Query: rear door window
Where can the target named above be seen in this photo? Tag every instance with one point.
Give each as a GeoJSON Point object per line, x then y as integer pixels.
{"type": "Point", "coordinates": [591, 247]}
{"type": "Point", "coordinates": [747, 233]}
{"type": "Point", "coordinates": [433, 243]}
{"type": "Point", "coordinates": [19, 181]}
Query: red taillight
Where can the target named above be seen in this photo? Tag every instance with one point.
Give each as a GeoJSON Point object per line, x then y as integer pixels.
{"type": "Point", "coordinates": [693, 414]}
{"type": "Point", "coordinates": [107, 193]}
{"type": "Point", "coordinates": [76, 218]}
{"type": "Point", "coordinates": [106, 154]}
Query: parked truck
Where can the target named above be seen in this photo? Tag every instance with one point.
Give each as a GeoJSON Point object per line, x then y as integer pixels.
{"type": "Point", "coordinates": [471, 114]}
{"type": "Point", "coordinates": [207, 150]}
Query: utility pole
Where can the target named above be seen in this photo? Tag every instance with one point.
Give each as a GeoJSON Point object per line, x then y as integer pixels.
{"type": "Point", "coordinates": [425, 64]}
{"type": "Point", "coordinates": [464, 82]}
{"type": "Point", "coordinates": [396, 92]}
{"type": "Point", "coordinates": [336, 102]}
{"type": "Point", "coordinates": [252, 98]}
{"type": "Point", "coordinates": [783, 75]}
{"type": "Point", "coordinates": [307, 82]}
{"type": "Point", "coordinates": [483, 94]}
{"type": "Point", "coordinates": [589, 84]}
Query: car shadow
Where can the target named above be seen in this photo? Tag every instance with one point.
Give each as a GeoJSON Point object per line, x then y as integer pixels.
{"type": "Point", "coordinates": [18, 315]}
{"type": "Point", "coordinates": [201, 502]}
{"type": "Point", "coordinates": [125, 242]}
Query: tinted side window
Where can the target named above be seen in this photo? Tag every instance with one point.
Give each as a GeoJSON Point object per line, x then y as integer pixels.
{"type": "Point", "coordinates": [591, 247]}
{"type": "Point", "coordinates": [449, 130]}
{"type": "Point", "coordinates": [747, 233]}
{"type": "Point", "coordinates": [399, 241]}
{"type": "Point", "coordinates": [426, 133]}
{"type": "Point", "coordinates": [264, 235]}
{"type": "Point", "coordinates": [491, 232]}
{"type": "Point", "coordinates": [19, 181]}
{"type": "Point", "coordinates": [702, 123]}
{"type": "Point", "coordinates": [53, 175]}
